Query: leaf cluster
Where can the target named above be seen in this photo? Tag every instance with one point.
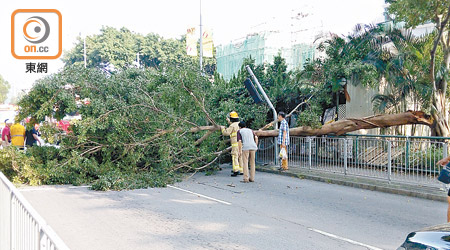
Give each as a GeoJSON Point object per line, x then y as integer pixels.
{"type": "Point", "coordinates": [115, 49]}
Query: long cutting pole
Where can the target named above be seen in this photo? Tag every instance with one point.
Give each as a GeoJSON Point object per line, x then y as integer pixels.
{"type": "Point", "coordinates": [275, 116]}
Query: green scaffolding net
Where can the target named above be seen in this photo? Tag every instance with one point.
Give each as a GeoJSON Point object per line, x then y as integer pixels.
{"type": "Point", "coordinates": [230, 57]}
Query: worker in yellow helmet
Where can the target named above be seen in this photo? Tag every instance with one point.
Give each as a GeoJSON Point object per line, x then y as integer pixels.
{"type": "Point", "coordinates": [18, 135]}
{"type": "Point", "coordinates": [231, 131]}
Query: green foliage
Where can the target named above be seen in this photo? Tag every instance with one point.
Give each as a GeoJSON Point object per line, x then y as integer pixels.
{"type": "Point", "coordinates": [283, 90]}
{"type": "Point", "coordinates": [50, 133]}
{"type": "Point", "coordinates": [51, 95]}
{"type": "Point", "coordinates": [404, 66]}
{"type": "Point", "coordinates": [134, 133]}
{"type": "Point", "coordinates": [377, 55]}
{"type": "Point", "coordinates": [120, 48]}
{"type": "Point", "coordinates": [120, 141]}
{"type": "Point", "coordinates": [416, 12]}
{"type": "Point", "coordinates": [426, 157]}
{"type": "Point", "coordinates": [233, 95]}
{"type": "Point", "coordinates": [311, 115]}
{"type": "Point", "coordinates": [345, 59]}
{"type": "Point", "coordinates": [436, 12]}
{"type": "Point", "coordinates": [4, 89]}
{"type": "Point", "coordinates": [18, 167]}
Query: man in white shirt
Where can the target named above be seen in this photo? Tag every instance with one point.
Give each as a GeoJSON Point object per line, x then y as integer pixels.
{"type": "Point", "coordinates": [248, 144]}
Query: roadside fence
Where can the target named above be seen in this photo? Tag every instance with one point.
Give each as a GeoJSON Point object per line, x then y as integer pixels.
{"type": "Point", "coordinates": [394, 158]}
{"type": "Point", "coordinates": [21, 227]}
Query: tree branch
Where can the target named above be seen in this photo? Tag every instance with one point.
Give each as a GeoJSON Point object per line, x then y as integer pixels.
{"type": "Point", "coordinates": [204, 137]}
{"type": "Point", "coordinates": [186, 164]}
{"type": "Point", "coordinates": [202, 106]}
{"type": "Point", "coordinates": [440, 29]}
{"type": "Point", "coordinates": [289, 115]}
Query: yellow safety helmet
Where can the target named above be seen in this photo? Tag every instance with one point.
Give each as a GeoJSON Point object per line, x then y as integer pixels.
{"type": "Point", "coordinates": [233, 114]}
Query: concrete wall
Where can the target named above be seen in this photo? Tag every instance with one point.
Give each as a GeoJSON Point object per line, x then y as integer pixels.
{"type": "Point", "coordinates": [360, 105]}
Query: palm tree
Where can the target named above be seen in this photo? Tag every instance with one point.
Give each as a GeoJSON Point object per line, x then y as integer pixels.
{"type": "Point", "coordinates": [402, 61]}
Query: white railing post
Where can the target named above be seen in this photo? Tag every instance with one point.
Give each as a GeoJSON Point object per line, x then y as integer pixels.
{"type": "Point", "coordinates": [11, 219]}
{"type": "Point", "coordinates": [23, 221]}
{"type": "Point", "coordinates": [42, 239]}
{"type": "Point", "coordinates": [345, 156]}
{"type": "Point", "coordinates": [445, 148]}
{"type": "Point", "coordinates": [389, 161]}
{"type": "Point", "coordinates": [310, 152]}
{"type": "Point", "coordinates": [5, 217]}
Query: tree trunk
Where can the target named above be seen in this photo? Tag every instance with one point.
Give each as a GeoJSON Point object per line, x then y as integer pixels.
{"type": "Point", "coordinates": [439, 101]}
{"type": "Point", "coordinates": [350, 125]}
{"type": "Point", "coordinates": [439, 112]}
{"type": "Point", "coordinates": [347, 125]}
{"type": "Point", "coordinates": [440, 125]}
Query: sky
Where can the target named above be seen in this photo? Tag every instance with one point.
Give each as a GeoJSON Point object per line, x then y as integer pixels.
{"type": "Point", "coordinates": [229, 20]}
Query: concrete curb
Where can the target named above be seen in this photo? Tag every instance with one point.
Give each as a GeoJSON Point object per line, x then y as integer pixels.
{"type": "Point", "coordinates": [397, 188]}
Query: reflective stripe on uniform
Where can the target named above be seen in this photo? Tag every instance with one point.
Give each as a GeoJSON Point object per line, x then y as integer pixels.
{"type": "Point", "coordinates": [234, 144]}
{"type": "Point", "coordinates": [234, 134]}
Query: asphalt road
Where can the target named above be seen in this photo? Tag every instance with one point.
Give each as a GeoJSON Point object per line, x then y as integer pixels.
{"type": "Point", "coordinates": [220, 212]}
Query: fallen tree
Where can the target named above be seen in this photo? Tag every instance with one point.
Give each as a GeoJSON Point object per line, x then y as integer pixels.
{"type": "Point", "coordinates": [345, 126]}
{"type": "Point", "coordinates": [354, 124]}
{"type": "Point", "coordinates": [142, 128]}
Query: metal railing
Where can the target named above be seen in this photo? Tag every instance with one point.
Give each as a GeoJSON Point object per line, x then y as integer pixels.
{"type": "Point", "coordinates": [21, 227]}
{"type": "Point", "coordinates": [394, 158]}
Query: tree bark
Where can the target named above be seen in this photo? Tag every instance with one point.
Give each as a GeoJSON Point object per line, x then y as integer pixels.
{"type": "Point", "coordinates": [438, 98]}
{"type": "Point", "coordinates": [440, 126]}
{"type": "Point", "coordinates": [347, 125]}
{"type": "Point", "coordinates": [350, 124]}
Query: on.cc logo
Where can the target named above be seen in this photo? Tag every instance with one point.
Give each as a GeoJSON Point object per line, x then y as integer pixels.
{"type": "Point", "coordinates": [40, 29]}
{"type": "Point", "coordinates": [36, 34]}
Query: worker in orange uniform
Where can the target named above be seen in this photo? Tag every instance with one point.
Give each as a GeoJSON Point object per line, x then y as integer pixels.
{"type": "Point", "coordinates": [18, 135]}
{"type": "Point", "coordinates": [231, 131]}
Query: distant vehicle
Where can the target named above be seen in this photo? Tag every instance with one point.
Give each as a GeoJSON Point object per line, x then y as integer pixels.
{"type": "Point", "coordinates": [430, 238]}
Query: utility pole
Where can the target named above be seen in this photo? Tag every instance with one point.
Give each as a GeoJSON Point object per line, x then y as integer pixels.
{"type": "Point", "coordinates": [137, 60]}
{"type": "Point", "coordinates": [275, 116]}
{"type": "Point", "coordinates": [201, 39]}
{"type": "Point", "coordinates": [84, 50]}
